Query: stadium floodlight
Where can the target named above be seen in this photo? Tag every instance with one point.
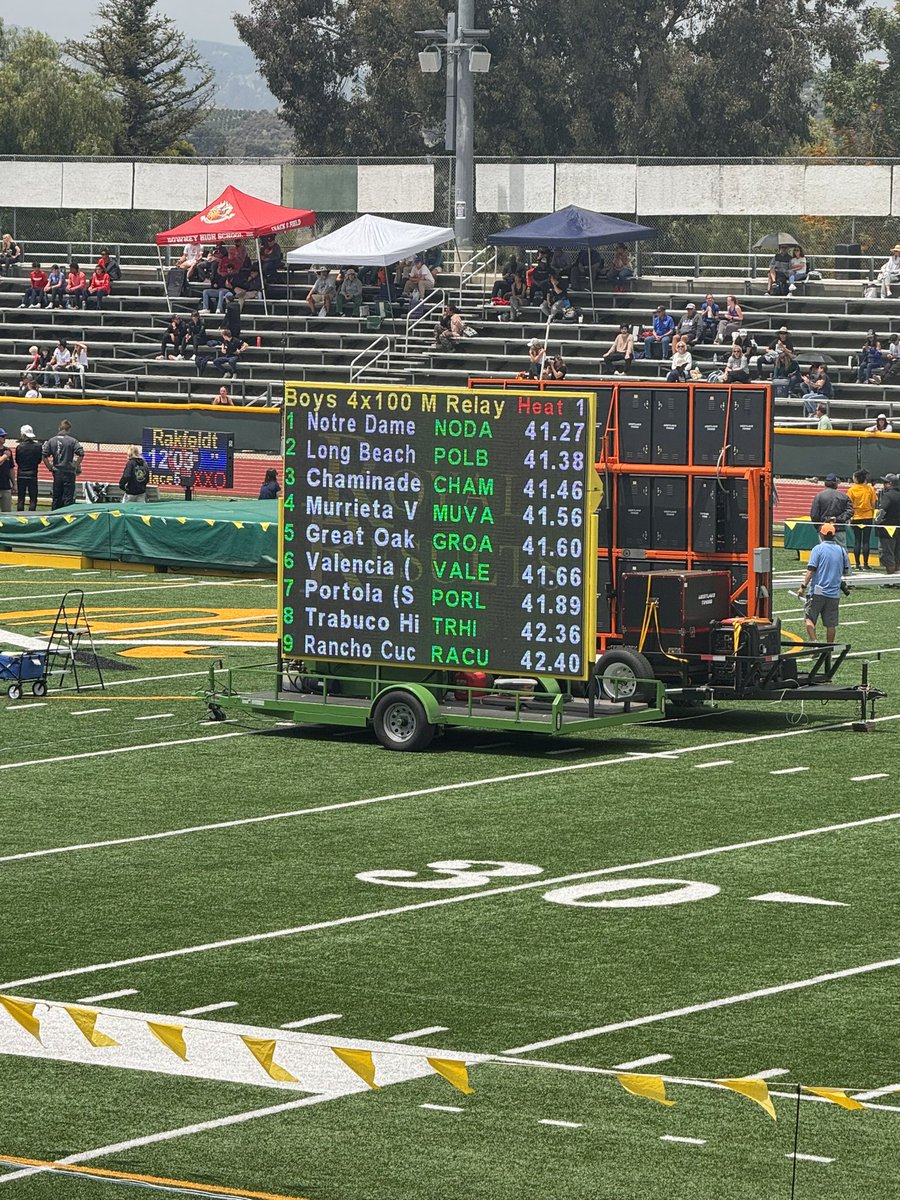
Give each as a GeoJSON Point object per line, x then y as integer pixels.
{"type": "Point", "coordinates": [479, 60]}
{"type": "Point", "coordinates": [430, 60]}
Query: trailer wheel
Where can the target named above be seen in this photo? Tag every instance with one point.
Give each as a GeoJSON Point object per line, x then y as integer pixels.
{"type": "Point", "coordinates": [401, 723]}
{"type": "Point", "coordinates": [215, 713]}
{"type": "Point", "coordinates": [619, 672]}
{"type": "Point", "coordinates": [39, 688]}
{"type": "Point", "coordinates": [14, 692]}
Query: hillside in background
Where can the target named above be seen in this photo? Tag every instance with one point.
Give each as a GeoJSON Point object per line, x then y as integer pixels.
{"type": "Point", "coordinates": [239, 84]}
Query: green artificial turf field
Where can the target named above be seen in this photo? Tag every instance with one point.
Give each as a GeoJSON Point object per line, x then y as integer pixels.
{"type": "Point", "coordinates": [553, 912]}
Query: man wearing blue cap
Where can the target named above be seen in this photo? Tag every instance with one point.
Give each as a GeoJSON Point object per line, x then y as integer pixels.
{"type": "Point", "coordinates": [7, 470]}
{"type": "Point", "coordinates": [832, 505]}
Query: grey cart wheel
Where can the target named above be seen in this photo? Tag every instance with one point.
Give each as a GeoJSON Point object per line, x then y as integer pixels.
{"type": "Point", "coordinates": [39, 688]}
{"type": "Point", "coordinates": [14, 692]}
{"type": "Point", "coordinates": [401, 723]}
{"type": "Point", "coordinates": [618, 673]}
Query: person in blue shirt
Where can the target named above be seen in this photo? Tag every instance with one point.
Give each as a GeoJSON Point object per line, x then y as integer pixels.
{"type": "Point", "coordinates": [828, 563]}
{"type": "Point", "coordinates": [270, 487]}
{"type": "Point", "coordinates": [663, 328]}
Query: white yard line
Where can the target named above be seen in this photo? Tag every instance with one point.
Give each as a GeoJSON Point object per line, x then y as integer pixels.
{"type": "Point", "coordinates": [150, 587]}
{"type": "Point", "coordinates": [417, 1033]}
{"type": "Point", "coordinates": [208, 1008]}
{"type": "Point", "coordinates": [312, 1021]}
{"type": "Point", "coordinates": [784, 612]}
{"type": "Point", "coordinates": [438, 789]}
{"type": "Point", "coordinates": [866, 778]}
{"type": "Point", "coordinates": [488, 893]}
{"type": "Point", "coordinates": [22, 707]}
{"type": "Point", "coordinates": [876, 1092]}
{"type": "Point", "coordinates": [107, 996]}
{"type": "Point", "coordinates": [447, 1108]}
{"type": "Point", "coordinates": [155, 716]}
{"type": "Point", "coordinates": [66, 758]}
{"type": "Point", "coordinates": [642, 1062]}
{"type": "Point", "coordinates": [722, 762]}
{"type": "Point", "coordinates": [789, 771]}
{"type": "Point", "coordinates": [708, 1005]}
{"type": "Point", "coordinates": [810, 1158]}
{"type": "Point", "coordinates": [561, 1124]}
{"type": "Point", "coordinates": [771, 1073]}
{"type": "Point", "coordinates": [689, 1141]}
{"type": "Point", "coordinates": [89, 712]}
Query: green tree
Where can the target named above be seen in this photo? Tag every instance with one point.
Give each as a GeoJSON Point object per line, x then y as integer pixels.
{"type": "Point", "coordinates": [48, 107]}
{"type": "Point", "coordinates": [163, 86]}
{"type": "Point", "coordinates": [862, 97]}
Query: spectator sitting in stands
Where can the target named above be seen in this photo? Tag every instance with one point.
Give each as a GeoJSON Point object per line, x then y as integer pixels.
{"type": "Point", "coordinates": [503, 286]}
{"type": "Point", "coordinates": [661, 337]}
{"type": "Point", "coordinates": [320, 296]}
{"type": "Point", "coordinates": [555, 367]}
{"type": "Point", "coordinates": [10, 255]}
{"type": "Point", "coordinates": [59, 361]}
{"type": "Point", "coordinates": [38, 362]}
{"type": "Point", "coordinates": [221, 294]}
{"type": "Point", "coordinates": [620, 351]}
{"type": "Point", "coordinates": [76, 287]}
{"type": "Point", "coordinates": [55, 289]}
{"type": "Point", "coordinates": [29, 389]}
{"type": "Point", "coordinates": [401, 271]}
{"type": "Point", "coordinates": [893, 350]}
{"type": "Point", "coordinates": [107, 262]}
{"type": "Point", "coordinates": [98, 287]}
{"type": "Point", "coordinates": [783, 338]}
{"type": "Point", "coordinates": [797, 268]}
{"type": "Point", "coordinates": [449, 329]}
{"type": "Point", "coordinates": [817, 387]}
{"type": "Point", "coordinates": [779, 269]}
{"type": "Point", "coordinates": [682, 362]}
{"type": "Point", "coordinates": [223, 398]}
{"type": "Point", "coordinates": [737, 367]}
{"type": "Point", "coordinates": [731, 321]}
{"type": "Point", "coordinates": [557, 301]}
{"type": "Point", "coordinates": [235, 259]}
{"type": "Point", "coordinates": [538, 278]}
{"type": "Point", "coordinates": [882, 425]}
{"type": "Point", "coordinates": [709, 318]}
{"type": "Point", "coordinates": [786, 377]}
{"type": "Point", "coordinates": [620, 270]}
{"type": "Point", "coordinates": [889, 275]}
{"type": "Point", "coordinates": [517, 297]}
{"type": "Point", "coordinates": [690, 325]}
{"type": "Point", "coordinates": [195, 339]}
{"type": "Point", "coordinates": [172, 345]}
{"type": "Point", "coordinates": [270, 486]}
{"type": "Point", "coordinates": [870, 360]}
{"type": "Point", "coordinates": [349, 294]}
{"type": "Point", "coordinates": [191, 257]}
{"type": "Point", "coordinates": [420, 279]}
{"type": "Point", "coordinates": [246, 283]}
{"type": "Point", "coordinates": [78, 365]}
{"type": "Point", "coordinates": [586, 269]}
{"type": "Point", "coordinates": [271, 256]}
{"type": "Point", "coordinates": [536, 356]}
{"type": "Point", "coordinates": [37, 282]}
{"type": "Point", "coordinates": [224, 357]}
{"type": "Point", "coordinates": [823, 421]}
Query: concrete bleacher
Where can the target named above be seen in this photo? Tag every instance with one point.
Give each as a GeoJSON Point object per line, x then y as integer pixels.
{"type": "Point", "coordinates": [826, 323]}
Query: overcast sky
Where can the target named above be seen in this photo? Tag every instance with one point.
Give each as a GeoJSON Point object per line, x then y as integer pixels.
{"type": "Point", "coordinates": [209, 20]}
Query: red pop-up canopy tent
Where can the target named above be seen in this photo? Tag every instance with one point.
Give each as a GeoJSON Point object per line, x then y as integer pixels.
{"type": "Point", "coordinates": [234, 214]}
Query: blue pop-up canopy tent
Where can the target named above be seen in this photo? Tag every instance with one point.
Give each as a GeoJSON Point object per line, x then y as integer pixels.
{"type": "Point", "coordinates": [572, 226]}
{"type": "Point", "coordinates": [575, 228]}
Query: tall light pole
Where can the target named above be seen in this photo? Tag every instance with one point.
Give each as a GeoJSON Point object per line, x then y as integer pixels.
{"type": "Point", "coordinates": [466, 56]}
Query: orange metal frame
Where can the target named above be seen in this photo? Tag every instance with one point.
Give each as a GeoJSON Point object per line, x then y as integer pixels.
{"type": "Point", "coordinates": [610, 464]}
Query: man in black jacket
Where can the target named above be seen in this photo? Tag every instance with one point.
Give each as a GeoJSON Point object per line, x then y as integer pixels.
{"type": "Point", "coordinates": [7, 472]}
{"type": "Point", "coordinates": [28, 459]}
{"type": "Point", "coordinates": [832, 505]}
{"type": "Point", "coordinates": [887, 522]}
{"type": "Point", "coordinates": [62, 455]}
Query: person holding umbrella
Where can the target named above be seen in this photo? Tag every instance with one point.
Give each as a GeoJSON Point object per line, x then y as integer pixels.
{"type": "Point", "coordinates": [779, 271]}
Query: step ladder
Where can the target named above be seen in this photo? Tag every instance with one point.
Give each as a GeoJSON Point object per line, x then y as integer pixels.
{"type": "Point", "coordinates": [70, 629]}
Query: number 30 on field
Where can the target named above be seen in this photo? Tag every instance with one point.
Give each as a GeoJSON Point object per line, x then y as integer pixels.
{"type": "Point", "coordinates": [595, 893]}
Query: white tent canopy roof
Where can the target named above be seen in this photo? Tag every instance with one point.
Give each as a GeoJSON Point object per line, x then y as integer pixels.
{"type": "Point", "coordinates": [370, 242]}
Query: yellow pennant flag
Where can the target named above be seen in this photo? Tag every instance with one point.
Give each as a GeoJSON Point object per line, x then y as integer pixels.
{"type": "Point", "coordinates": [651, 1087]}
{"type": "Point", "coordinates": [86, 1020]}
{"type": "Point", "coordinates": [171, 1036]}
{"type": "Point", "coordinates": [360, 1063]}
{"type": "Point", "coordinates": [454, 1072]}
{"type": "Point", "coordinates": [263, 1050]}
{"type": "Point", "coordinates": [836, 1096]}
{"type": "Point", "coordinates": [754, 1089]}
{"type": "Point", "coordinates": [22, 1011]}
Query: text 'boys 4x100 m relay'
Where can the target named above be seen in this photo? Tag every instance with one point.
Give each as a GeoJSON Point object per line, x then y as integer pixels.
{"type": "Point", "coordinates": [439, 530]}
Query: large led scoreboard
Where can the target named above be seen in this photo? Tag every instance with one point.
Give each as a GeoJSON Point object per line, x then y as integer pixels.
{"type": "Point", "coordinates": [439, 530]}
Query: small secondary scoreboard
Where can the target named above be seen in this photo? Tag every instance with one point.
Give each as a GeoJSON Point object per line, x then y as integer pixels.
{"type": "Point", "coordinates": [439, 530]}
{"type": "Point", "coordinates": [199, 458]}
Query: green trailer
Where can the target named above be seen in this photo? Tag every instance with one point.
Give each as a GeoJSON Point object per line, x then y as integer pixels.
{"type": "Point", "coordinates": [406, 712]}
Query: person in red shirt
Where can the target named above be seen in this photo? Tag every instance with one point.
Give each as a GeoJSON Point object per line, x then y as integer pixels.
{"type": "Point", "coordinates": [98, 287]}
{"type": "Point", "coordinates": [34, 295]}
{"type": "Point", "coordinates": [76, 287]}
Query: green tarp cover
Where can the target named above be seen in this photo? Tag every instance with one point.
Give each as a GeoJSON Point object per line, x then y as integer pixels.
{"type": "Point", "coordinates": [238, 535]}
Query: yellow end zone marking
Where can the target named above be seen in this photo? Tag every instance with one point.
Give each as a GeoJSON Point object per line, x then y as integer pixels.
{"type": "Point", "coordinates": [131, 1177]}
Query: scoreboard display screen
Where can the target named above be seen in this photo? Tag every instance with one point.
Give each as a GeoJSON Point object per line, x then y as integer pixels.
{"type": "Point", "coordinates": [199, 458]}
{"type": "Point", "coordinates": [439, 530]}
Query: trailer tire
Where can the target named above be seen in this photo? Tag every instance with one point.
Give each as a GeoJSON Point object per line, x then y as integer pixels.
{"type": "Point", "coordinates": [625, 668]}
{"type": "Point", "coordinates": [401, 723]}
{"type": "Point", "coordinates": [215, 712]}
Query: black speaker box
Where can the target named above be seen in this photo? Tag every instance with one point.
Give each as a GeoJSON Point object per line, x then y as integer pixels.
{"type": "Point", "coordinates": [709, 424]}
{"type": "Point", "coordinates": [670, 513]}
{"type": "Point", "coordinates": [731, 525]}
{"type": "Point", "coordinates": [670, 426]}
{"type": "Point", "coordinates": [635, 424]}
{"type": "Point", "coordinates": [705, 521]}
{"type": "Point", "coordinates": [634, 512]}
{"type": "Point", "coordinates": [747, 428]}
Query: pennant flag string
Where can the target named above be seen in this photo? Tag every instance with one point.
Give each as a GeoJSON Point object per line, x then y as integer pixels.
{"type": "Point", "coordinates": [22, 1012]}
{"type": "Point", "coordinates": [360, 1063]}
{"type": "Point", "coordinates": [171, 1036]}
{"type": "Point", "coordinates": [836, 1096]}
{"type": "Point", "coordinates": [263, 1050]}
{"type": "Point", "coordinates": [755, 1090]}
{"type": "Point", "coordinates": [86, 1020]}
{"type": "Point", "coordinates": [651, 1087]}
{"type": "Point", "coordinates": [454, 1072]}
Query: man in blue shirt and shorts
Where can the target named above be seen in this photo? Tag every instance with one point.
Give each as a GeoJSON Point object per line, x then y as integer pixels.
{"type": "Point", "coordinates": [828, 563]}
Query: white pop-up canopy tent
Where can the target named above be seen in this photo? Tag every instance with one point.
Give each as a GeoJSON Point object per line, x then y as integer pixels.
{"type": "Point", "coordinates": [370, 241]}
